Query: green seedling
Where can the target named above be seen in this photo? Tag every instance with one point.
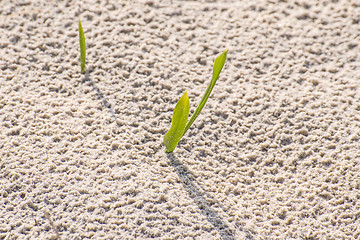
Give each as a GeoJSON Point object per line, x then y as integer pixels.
{"type": "Point", "coordinates": [82, 48]}
{"type": "Point", "coordinates": [179, 126]}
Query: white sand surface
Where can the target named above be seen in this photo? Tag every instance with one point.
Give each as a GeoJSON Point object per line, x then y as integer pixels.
{"type": "Point", "coordinates": [275, 153]}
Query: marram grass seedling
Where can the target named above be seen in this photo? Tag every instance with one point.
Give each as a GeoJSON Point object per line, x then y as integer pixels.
{"type": "Point", "coordinates": [82, 48]}
{"type": "Point", "coordinates": [179, 124]}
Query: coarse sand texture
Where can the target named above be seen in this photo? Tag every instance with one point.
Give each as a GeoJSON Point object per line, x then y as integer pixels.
{"type": "Point", "coordinates": [274, 154]}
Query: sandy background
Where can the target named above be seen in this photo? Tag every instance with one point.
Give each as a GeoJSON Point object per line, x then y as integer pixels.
{"type": "Point", "coordinates": [275, 153]}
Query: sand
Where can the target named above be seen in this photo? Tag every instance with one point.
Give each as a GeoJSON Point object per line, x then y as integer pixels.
{"type": "Point", "coordinates": [275, 153]}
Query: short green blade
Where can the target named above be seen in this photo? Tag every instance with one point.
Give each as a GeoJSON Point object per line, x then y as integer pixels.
{"type": "Point", "coordinates": [218, 65]}
{"type": "Point", "coordinates": [180, 116]}
{"type": "Point", "coordinates": [82, 48]}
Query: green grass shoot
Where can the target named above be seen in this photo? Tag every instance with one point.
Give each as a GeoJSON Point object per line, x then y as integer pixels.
{"type": "Point", "coordinates": [180, 116]}
{"type": "Point", "coordinates": [82, 48]}
{"type": "Point", "coordinates": [179, 124]}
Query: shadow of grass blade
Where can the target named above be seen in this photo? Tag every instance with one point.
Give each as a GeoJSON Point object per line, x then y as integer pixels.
{"type": "Point", "coordinates": [178, 123]}
{"type": "Point", "coordinates": [218, 65]}
{"type": "Point", "coordinates": [82, 48]}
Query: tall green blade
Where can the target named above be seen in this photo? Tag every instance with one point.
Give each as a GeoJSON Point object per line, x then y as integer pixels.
{"type": "Point", "coordinates": [218, 65]}
{"type": "Point", "coordinates": [82, 48]}
{"type": "Point", "coordinates": [180, 116]}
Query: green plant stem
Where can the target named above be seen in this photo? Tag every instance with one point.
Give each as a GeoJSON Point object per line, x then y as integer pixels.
{"type": "Point", "coordinates": [218, 65]}
{"type": "Point", "coordinates": [82, 48]}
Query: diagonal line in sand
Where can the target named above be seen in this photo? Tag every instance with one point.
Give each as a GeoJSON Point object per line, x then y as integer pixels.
{"type": "Point", "coordinates": [200, 196]}
{"type": "Point", "coordinates": [101, 96]}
